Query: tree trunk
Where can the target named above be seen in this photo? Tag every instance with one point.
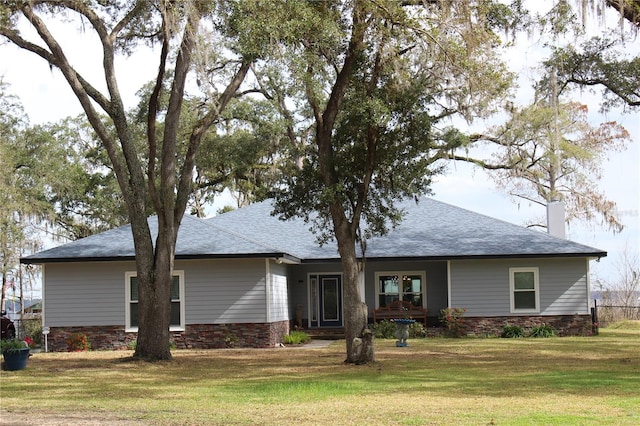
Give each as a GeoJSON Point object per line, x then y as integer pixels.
{"type": "Point", "coordinates": [359, 339]}
{"type": "Point", "coordinates": [154, 315]}
{"type": "Point", "coordinates": [355, 311]}
{"type": "Point", "coordinates": [155, 270]}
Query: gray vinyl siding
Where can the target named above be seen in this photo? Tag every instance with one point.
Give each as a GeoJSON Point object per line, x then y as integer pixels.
{"type": "Point", "coordinates": [85, 294]}
{"type": "Point", "coordinates": [224, 291]}
{"type": "Point", "coordinates": [216, 292]}
{"type": "Point", "coordinates": [565, 288]}
{"type": "Point", "coordinates": [278, 305]}
{"type": "Point", "coordinates": [482, 286]}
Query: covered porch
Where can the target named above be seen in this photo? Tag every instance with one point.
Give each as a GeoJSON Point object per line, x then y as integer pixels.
{"type": "Point", "coordinates": [315, 290]}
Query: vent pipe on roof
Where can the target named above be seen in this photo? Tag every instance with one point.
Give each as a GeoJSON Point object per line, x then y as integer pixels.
{"type": "Point", "coordinates": [555, 219]}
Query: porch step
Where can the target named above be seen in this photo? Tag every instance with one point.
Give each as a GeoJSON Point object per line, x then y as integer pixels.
{"type": "Point", "coordinates": [325, 333]}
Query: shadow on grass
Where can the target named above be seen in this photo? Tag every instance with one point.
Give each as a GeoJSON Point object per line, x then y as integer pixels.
{"type": "Point", "coordinates": [494, 368]}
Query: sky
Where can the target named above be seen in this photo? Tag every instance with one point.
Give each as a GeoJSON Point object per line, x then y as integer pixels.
{"type": "Point", "coordinates": [46, 97]}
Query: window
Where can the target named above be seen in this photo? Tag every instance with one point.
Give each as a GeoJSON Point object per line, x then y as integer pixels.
{"type": "Point", "coordinates": [523, 283]}
{"type": "Point", "coordinates": [407, 286]}
{"type": "Point", "coordinates": [177, 301]}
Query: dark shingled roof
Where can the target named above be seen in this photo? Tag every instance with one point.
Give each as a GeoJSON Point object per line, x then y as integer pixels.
{"type": "Point", "coordinates": [196, 238]}
{"type": "Point", "coordinates": [429, 230]}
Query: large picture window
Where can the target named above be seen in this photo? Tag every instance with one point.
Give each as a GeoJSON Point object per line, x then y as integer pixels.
{"type": "Point", "coordinates": [177, 301]}
{"type": "Point", "coordinates": [524, 287]}
{"type": "Point", "coordinates": [401, 285]}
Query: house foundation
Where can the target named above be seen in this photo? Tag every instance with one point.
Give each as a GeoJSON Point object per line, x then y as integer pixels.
{"type": "Point", "coordinates": [268, 335]}
{"type": "Point", "coordinates": [565, 325]}
{"type": "Point", "coordinates": [195, 336]}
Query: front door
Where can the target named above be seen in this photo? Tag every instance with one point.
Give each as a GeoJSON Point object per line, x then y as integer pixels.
{"type": "Point", "coordinates": [326, 291]}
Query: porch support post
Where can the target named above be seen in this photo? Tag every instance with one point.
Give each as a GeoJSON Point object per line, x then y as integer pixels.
{"type": "Point", "coordinates": [448, 283]}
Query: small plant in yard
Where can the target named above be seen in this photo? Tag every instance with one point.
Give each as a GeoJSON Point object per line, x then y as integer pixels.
{"type": "Point", "coordinates": [542, 330]}
{"type": "Point", "coordinates": [296, 337]}
{"type": "Point", "coordinates": [12, 345]}
{"type": "Point", "coordinates": [512, 331]}
{"type": "Point", "coordinates": [417, 330]}
{"type": "Point", "coordinates": [78, 342]}
{"type": "Point", "coordinates": [453, 319]}
{"type": "Point", "coordinates": [33, 328]}
{"type": "Point", "coordinates": [384, 329]}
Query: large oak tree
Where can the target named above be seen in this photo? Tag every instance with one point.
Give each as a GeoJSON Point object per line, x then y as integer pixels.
{"type": "Point", "coordinates": [160, 174]}
{"type": "Point", "coordinates": [365, 88]}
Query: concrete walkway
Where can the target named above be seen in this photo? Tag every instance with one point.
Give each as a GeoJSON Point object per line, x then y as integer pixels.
{"type": "Point", "coordinates": [313, 344]}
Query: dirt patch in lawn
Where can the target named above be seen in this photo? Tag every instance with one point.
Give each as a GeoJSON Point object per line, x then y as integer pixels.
{"type": "Point", "coordinates": [54, 419]}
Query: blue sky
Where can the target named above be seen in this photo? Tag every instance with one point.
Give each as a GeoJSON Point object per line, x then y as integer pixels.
{"type": "Point", "coordinates": [46, 97]}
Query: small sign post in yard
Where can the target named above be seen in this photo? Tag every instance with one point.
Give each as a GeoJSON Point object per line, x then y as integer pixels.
{"type": "Point", "coordinates": [45, 333]}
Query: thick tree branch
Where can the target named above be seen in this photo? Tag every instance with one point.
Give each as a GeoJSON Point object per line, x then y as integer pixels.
{"type": "Point", "coordinates": [152, 114]}
{"type": "Point", "coordinates": [45, 54]}
{"type": "Point", "coordinates": [186, 174]}
{"type": "Point", "coordinates": [168, 198]}
{"type": "Point", "coordinates": [611, 87]}
{"type": "Point", "coordinates": [342, 79]}
{"type": "Point", "coordinates": [57, 58]}
{"type": "Point", "coordinates": [130, 16]}
{"type": "Point", "coordinates": [107, 40]}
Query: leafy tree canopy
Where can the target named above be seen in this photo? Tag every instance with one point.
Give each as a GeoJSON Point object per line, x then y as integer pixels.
{"type": "Point", "coordinates": [597, 62]}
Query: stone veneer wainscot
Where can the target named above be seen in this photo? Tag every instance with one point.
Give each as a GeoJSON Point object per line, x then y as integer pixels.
{"type": "Point", "coordinates": [195, 336]}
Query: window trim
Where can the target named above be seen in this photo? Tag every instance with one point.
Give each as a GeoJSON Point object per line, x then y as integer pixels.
{"type": "Point", "coordinates": [536, 289]}
{"type": "Point", "coordinates": [127, 311]}
{"type": "Point", "coordinates": [423, 289]}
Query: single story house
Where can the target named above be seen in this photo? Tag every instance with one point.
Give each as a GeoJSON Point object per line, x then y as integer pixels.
{"type": "Point", "coordinates": [246, 277]}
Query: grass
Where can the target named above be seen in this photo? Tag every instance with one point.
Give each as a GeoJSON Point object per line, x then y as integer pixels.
{"type": "Point", "coordinates": [564, 381]}
{"type": "Point", "coordinates": [626, 325]}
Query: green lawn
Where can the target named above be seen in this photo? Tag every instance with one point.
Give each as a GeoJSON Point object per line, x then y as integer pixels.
{"type": "Point", "coordinates": [581, 381]}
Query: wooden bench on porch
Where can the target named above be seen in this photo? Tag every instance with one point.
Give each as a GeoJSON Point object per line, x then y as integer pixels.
{"type": "Point", "coordinates": [400, 309]}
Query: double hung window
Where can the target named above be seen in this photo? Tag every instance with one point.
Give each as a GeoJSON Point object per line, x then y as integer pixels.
{"type": "Point", "coordinates": [177, 301]}
{"type": "Point", "coordinates": [524, 288]}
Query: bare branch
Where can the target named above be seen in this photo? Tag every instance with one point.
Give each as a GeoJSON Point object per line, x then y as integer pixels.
{"type": "Point", "coordinates": [481, 163]}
